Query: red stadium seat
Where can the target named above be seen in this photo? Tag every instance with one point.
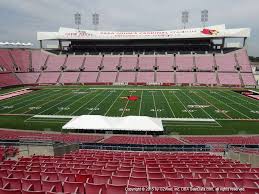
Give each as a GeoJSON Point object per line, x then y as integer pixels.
{"type": "Point", "coordinates": [95, 188]}
{"type": "Point", "coordinates": [52, 186]}
{"type": "Point", "coordinates": [28, 183]}
{"type": "Point", "coordinates": [137, 181]}
{"type": "Point", "coordinates": [119, 180]}
{"type": "Point", "coordinates": [116, 189]}
{"type": "Point", "coordinates": [73, 187]}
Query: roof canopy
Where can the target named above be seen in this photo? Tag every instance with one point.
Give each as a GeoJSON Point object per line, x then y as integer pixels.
{"type": "Point", "coordinates": [218, 31]}
{"type": "Point", "coordinates": [129, 123]}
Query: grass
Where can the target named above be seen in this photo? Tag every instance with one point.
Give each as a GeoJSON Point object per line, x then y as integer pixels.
{"type": "Point", "coordinates": [232, 112]}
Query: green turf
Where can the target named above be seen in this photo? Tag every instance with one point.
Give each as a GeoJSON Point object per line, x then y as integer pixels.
{"type": "Point", "coordinates": [233, 113]}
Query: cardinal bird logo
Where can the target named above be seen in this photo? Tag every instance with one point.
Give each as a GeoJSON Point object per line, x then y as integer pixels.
{"type": "Point", "coordinates": [130, 98]}
{"type": "Point", "coordinates": [209, 32]}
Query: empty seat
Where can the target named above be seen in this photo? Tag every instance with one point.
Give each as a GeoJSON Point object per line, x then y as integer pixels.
{"type": "Point", "coordinates": [232, 182]}
{"type": "Point", "coordinates": [138, 174]}
{"type": "Point", "coordinates": [115, 189]}
{"type": "Point", "coordinates": [101, 179]}
{"type": "Point", "coordinates": [138, 182]}
{"type": "Point", "coordinates": [194, 182]}
{"type": "Point", "coordinates": [12, 183]}
{"type": "Point", "coordinates": [28, 183]}
{"type": "Point", "coordinates": [32, 174]}
{"type": "Point", "coordinates": [50, 176]}
{"type": "Point", "coordinates": [176, 182]}
{"type": "Point", "coordinates": [215, 182]}
{"type": "Point", "coordinates": [66, 177]}
{"type": "Point", "coordinates": [157, 182]}
{"type": "Point", "coordinates": [73, 187]}
{"type": "Point", "coordinates": [119, 180]}
{"type": "Point", "coordinates": [94, 188]}
{"type": "Point", "coordinates": [53, 186]}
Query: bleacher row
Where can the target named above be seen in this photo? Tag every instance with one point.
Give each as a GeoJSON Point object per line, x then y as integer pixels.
{"type": "Point", "coordinates": [127, 139]}
{"type": "Point", "coordinates": [108, 172]}
{"type": "Point", "coordinates": [41, 67]}
{"type": "Point", "coordinates": [67, 138]}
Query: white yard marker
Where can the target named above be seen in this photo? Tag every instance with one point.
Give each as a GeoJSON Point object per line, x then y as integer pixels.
{"type": "Point", "coordinates": [154, 102]}
{"type": "Point", "coordinates": [125, 106]}
{"type": "Point", "coordinates": [196, 104]}
{"type": "Point", "coordinates": [32, 102]}
{"type": "Point", "coordinates": [168, 103]}
{"type": "Point", "coordinates": [23, 101]}
{"type": "Point", "coordinates": [232, 107]}
{"type": "Point", "coordinates": [100, 103]}
{"type": "Point", "coordinates": [214, 105]}
{"type": "Point", "coordinates": [113, 103]}
{"type": "Point", "coordinates": [77, 100]}
{"type": "Point", "coordinates": [54, 104]}
{"type": "Point", "coordinates": [98, 93]}
{"type": "Point", "coordinates": [184, 106]}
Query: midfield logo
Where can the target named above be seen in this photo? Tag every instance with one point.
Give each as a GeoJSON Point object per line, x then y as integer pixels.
{"type": "Point", "coordinates": [130, 98]}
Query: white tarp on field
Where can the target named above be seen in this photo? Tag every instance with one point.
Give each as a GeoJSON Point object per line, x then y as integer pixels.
{"type": "Point", "coordinates": [129, 123]}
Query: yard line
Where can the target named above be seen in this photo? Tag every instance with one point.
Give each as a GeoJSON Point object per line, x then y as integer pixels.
{"type": "Point", "coordinates": [183, 105]}
{"type": "Point", "coordinates": [227, 105]}
{"type": "Point", "coordinates": [154, 102]}
{"type": "Point", "coordinates": [140, 103]}
{"type": "Point", "coordinates": [98, 93]}
{"type": "Point", "coordinates": [22, 101]}
{"type": "Point", "coordinates": [99, 103]}
{"type": "Point", "coordinates": [113, 103]}
{"type": "Point", "coordinates": [196, 104]}
{"type": "Point", "coordinates": [235, 103]}
{"type": "Point", "coordinates": [28, 104]}
{"type": "Point", "coordinates": [241, 97]}
{"type": "Point", "coordinates": [77, 100]}
{"type": "Point", "coordinates": [168, 103]}
{"type": "Point", "coordinates": [214, 105]}
{"type": "Point", "coordinates": [125, 106]}
{"type": "Point", "coordinates": [52, 101]}
{"type": "Point", "coordinates": [22, 97]}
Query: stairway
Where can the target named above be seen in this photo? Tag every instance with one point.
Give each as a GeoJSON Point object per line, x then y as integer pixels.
{"type": "Point", "coordinates": [15, 67]}
{"type": "Point", "coordinates": [38, 79]}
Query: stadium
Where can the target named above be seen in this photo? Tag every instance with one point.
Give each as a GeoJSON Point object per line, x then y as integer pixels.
{"type": "Point", "coordinates": [134, 112]}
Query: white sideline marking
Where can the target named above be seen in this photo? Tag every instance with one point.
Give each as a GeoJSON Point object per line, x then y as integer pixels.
{"type": "Point", "coordinates": [54, 116]}
{"type": "Point", "coordinates": [139, 111]}
{"type": "Point", "coordinates": [128, 89]}
{"type": "Point", "coordinates": [188, 119]}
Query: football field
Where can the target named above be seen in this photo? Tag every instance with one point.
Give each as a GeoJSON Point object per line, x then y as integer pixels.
{"type": "Point", "coordinates": [180, 108]}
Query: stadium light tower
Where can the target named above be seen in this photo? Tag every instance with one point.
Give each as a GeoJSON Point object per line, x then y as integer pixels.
{"type": "Point", "coordinates": [77, 19]}
{"type": "Point", "coordinates": [204, 17]}
{"type": "Point", "coordinates": [96, 20]}
{"type": "Point", "coordinates": [185, 18]}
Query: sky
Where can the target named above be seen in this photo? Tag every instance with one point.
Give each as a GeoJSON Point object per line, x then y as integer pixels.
{"type": "Point", "coordinates": [20, 20]}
